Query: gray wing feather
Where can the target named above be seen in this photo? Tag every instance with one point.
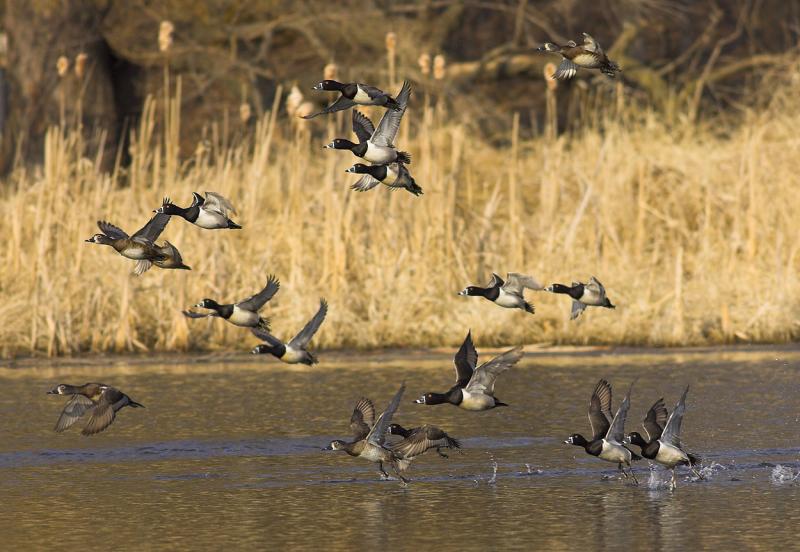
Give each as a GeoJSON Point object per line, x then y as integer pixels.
{"type": "Point", "coordinates": [113, 232]}
{"type": "Point", "coordinates": [192, 314]}
{"type": "Point", "coordinates": [365, 183]}
{"type": "Point", "coordinates": [516, 283]}
{"type": "Point", "coordinates": [484, 377]}
{"type": "Point", "coordinates": [377, 434]}
{"type": "Point", "coordinates": [218, 203]}
{"type": "Point", "coordinates": [655, 420]}
{"type": "Point", "coordinates": [153, 228]}
{"type": "Point", "coordinates": [264, 335]}
{"type": "Point", "coordinates": [142, 267]}
{"type": "Point", "coordinates": [600, 410]}
{"type": "Point", "coordinates": [76, 407]}
{"type": "Point", "coordinates": [255, 302]}
{"type": "Point", "coordinates": [616, 433]}
{"type": "Point", "coordinates": [565, 70]}
{"type": "Point", "coordinates": [465, 361]}
{"type": "Point", "coordinates": [423, 439]}
{"type": "Point", "coordinates": [672, 431]}
{"type": "Point", "coordinates": [577, 309]}
{"type": "Point", "coordinates": [387, 129]}
{"type": "Point", "coordinates": [340, 104]}
{"type": "Point", "coordinates": [362, 126]}
{"type": "Point", "coordinates": [301, 339]}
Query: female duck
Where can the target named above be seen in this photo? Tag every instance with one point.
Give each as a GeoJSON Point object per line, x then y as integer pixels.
{"type": "Point", "coordinates": [140, 246]}
{"type": "Point", "coordinates": [295, 351]}
{"type": "Point", "coordinates": [393, 175]}
{"type": "Point", "coordinates": [210, 212]}
{"type": "Point", "coordinates": [508, 294]}
{"type": "Point", "coordinates": [354, 94]}
{"type": "Point", "coordinates": [588, 55]}
{"type": "Point", "coordinates": [245, 312]}
{"type": "Point", "coordinates": [101, 400]}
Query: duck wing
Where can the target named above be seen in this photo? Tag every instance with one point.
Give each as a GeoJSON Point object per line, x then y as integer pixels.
{"type": "Point", "coordinates": [377, 435]}
{"type": "Point", "coordinates": [150, 231]}
{"type": "Point", "coordinates": [483, 378]}
{"type": "Point", "coordinates": [656, 420]}
{"type": "Point", "coordinates": [104, 412]}
{"type": "Point", "coordinates": [591, 45]}
{"type": "Point", "coordinates": [362, 419]}
{"type": "Point", "coordinates": [171, 251]}
{"type": "Point", "coordinates": [192, 314]}
{"type": "Point", "coordinates": [362, 127]}
{"type": "Point", "coordinates": [264, 335]}
{"type": "Point", "coordinates": [595, 287]}
{"type": "Point", "coordinates": [365, 183]}
{"type": "Point", "coordinates": [672, 431]}
{"type": "Point", "coordinates": [577, 309]}
{"type": "Point", "coordinates": [142, 266]}
{"type": "Point", "coordinates": [113, 232]}
{"type": "Point", "coordinates": [422, 439]}
{"type": "Point", "coordinates": [75, 408]}
{"type": "Point", "coordinates": [340, 104]}
{"type": "Point", "coordinates": [600, 410]}
{"type": "Point", "coordinates": [301, 339]}
{"type": "Point", "coordinates": [465, 361]}
{"type": "Point", "coordinates": [218, 203]}
{"type": "Point", "coordinates": [565, 70]}
{"type": "Point", "coordinates": [387, 129]}
{"type": "Point", "coordinates": [255, 302]}
{"type": "Point", "coordinates": [516, 283]}
{"type": "Point", "coordinates": [495, 281]}
{"type": "Point", "coordinates": [616, 433]}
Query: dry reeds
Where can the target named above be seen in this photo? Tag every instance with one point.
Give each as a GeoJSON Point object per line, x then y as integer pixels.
{"type": "Point", "coordinates": [693, 235]}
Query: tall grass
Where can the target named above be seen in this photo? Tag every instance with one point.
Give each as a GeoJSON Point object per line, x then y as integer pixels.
{"type": "Point", "coordinates": [693, 228]}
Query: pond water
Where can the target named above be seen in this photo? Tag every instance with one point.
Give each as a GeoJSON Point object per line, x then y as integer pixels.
{"type": "Point", "coordinates": [229, 454]}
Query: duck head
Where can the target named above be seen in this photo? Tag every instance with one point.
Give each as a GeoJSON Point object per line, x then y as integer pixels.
{"type": "Point", "coordinates": [549, 47]}
{"type": "Point", "coordinates": [168, 208]}
{"type": "Point", "coordinates": [58, 390]}
{"type": "Point", "coordinates": [340, 143]}
{"type": "Point", "coordinates": [102, 239]}
{"type": "Point", "coordinates": [431, 398]}
{"type": "Point", "coordinates": [208, 304]}
{"type": "Point", "coordinates": [472, 291]}
{"type": "Point", "coordinates": [336, 445]}
{"type": "Point", "coordinates": [635, 438]}
{"type": "Point", "coordinates": [263, 349]}
{"type": "Point", "coordinates": [576, 439]}
{"type": "Point", "coordinates": [329, 85]}
{"type": "Point", "coordinates": [359, 168]}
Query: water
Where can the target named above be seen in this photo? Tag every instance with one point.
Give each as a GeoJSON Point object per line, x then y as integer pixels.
{"type": "Point", "coordinates": [229, 455]}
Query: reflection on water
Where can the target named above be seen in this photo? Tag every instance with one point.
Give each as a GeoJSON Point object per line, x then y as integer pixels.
{"type": "Point", "coordinates": [232, 455]}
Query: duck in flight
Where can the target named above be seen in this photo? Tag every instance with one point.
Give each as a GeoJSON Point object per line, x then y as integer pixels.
{"type": "Point", "coordinates": [101, 401]}
{"type": "Point", "coordinates": [663, 443]}
{"type": "Point", "coordinates": [294, 351]}
{"type": "Point", "coordinates": [394, 176]}
{"type": "Point", "coordinates": [245, 312]}
{"type": "Point", "coordinates": [592, 294]}
{"type": "Point", "coordinates": [352, 94]}
{"type": "Point", "coordinates": [508, 293]}
{"type": "Point", "coordinates": [589, 55]}
{"type": "Point", "coordinates": [376, 145]}
{"type": "Point", "coordinates": [474, 387]}
{"type": "Point", "coordinates": [210, 212]}
{"type": "Point", "coordinates": [608, 434]}
{"type": "Point", "coordinates": [418, 440]}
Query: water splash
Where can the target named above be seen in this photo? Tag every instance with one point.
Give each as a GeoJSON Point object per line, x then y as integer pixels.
{"type": "Point", "coordinates": [532, 471]}
{"type": "Point", "coordinates": [709, 471]}
{"type": "Point", "coordinates": [493, 479]}
{"type": "Point", "coordinates": [783, 474]}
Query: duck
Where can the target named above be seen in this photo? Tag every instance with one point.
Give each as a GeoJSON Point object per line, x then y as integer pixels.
{"type": "Point", "coordinates": [141, 246]}
{"type": "Point", "coordinates": [418, 440]}
{"type": "Point", "coordinates": [663, 443]}
{"type": "Point", "coordinates": [243, 313]}
{"type": "Point", "coordinates": [293, 352]}
{"type": "Point", "coordinates": [608, 435]}
{"type": "Point", "coordinates": [100, 400]}
{"type": "Point", "coordinates": [592, 294]}
{"type": "Point", "coordinates": [394, 176]}
{"type": "Point", "coordinates": [369, 438]}
{"type": "Point", "coordinates": [377, 145]}
{"type": "Point", "coordinates": [209, 212]}
{"type": "Point", "coordinates": [589, 55]}
{"type": "Point", "coordinates": [474, 387]}
{"type": "Point", "coordinates": [353, 94]}
{"type": "Point", "coordinates": [507, 294]}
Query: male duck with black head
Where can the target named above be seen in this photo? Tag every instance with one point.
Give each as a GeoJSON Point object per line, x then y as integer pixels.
{"type": "Point", "coordinates": [352, 94]}
{"type": "Point", "coordinates": [608, 435]}
{"type": "Point", "coordinates": [508, 293]}
{"type": "Point", "coordinates": [474, 388]}
{"type": "Point", "coordinates": [245, 312]}
{"type": "Point", "coordinates": [592, 294]}
{"type": "Point", "coordinates": [589, 55]}
{"type": "Point", "coordinates": [209, 212]}
{"type": "Point", "coordinates": [293, 352]}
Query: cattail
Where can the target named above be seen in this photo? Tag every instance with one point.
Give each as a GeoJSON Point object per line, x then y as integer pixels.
{"type": "Point", "coordinates": [439, 67]}
{"type": "Point", "coordinates": [62, 66]}
{"type": "Point", "coordinates": [549, 71]}
{"type": "Point", "coordinates": [80, 64]}
{"type": "Point", "coordinates": [424, 62]}
{"type": "Point", "coordinates": [293, 100]}
{"type": "Point", "coordinates": [165, 31]}
{"type": "Point", "coordinates": [391, 43]}
{"type": "Point", "coordinates": [331, 72]}
{"type": "Point", "coordinates": [244, 112]}
{"type": "Point", "coordinates": [304, 109]}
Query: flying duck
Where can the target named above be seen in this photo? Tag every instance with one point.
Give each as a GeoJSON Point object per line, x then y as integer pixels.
{"type": "Point", "coordinates": [663, 442]}
{"type": "Point", "coordinates": [210, 212]}
{"type": "Point", "coordinates": [394, 176]}
{"type": "Point", "coordinates": [245, 312]}
{"type": "Point", "coordinates": [100, 400]}
{"type": "Point", "coordinates": [369, 437]}
{"type": "Point", "coordinates": [608, 435]}
{"type": "Point", "coordinates": [295, 351]}
{"type": "Point", "coordinates": [508, 294]}
{"type": "Point", "coordinates": [354, 94]}
{"type": "Point", "coordinates": [377, 145]}
{"type": "Point", "coordinates": [592, 294]}
{"type": "Point", "coordinates": [474, 388]}
{"type": "Point", "coordinates": [418, 440]}
{"type": "Point", "coordinates": [588, 55]}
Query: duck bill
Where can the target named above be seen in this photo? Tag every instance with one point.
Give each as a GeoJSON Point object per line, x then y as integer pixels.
{"type": "Point", "coordinates": [420, 400]}
{"type": "Point", "coordinates": [328, 146]}
{"type": "Point", "coordinates": [350, 170]}
{"type": "Point", "coordinates": [317, 86]}
{"type": "Point", "coordinates": [462, 292]}
{"type": "Point", "coordinates": [568, 441]}
{"type": "Point", "coordinates": [53, 392]}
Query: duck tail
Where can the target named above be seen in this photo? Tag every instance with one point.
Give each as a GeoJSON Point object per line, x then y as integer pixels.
{"type": "Point", "coordinates": [611, 69]}
{"type": "Point", "coordinates": [264, 324]}
{"type": "Point", "coordinates": [413, 187]}
{"type": "Point", "coordinates": [498, 403]}
{"type": "Point", "coordinates": [529, 307]}
{"type": "Point", "coordinates": [453, 443]}
{"type": "Point", "coordinates": [404, 157]}
{"type": "Point", "coordinates": [694, 460]}
{"type": "Point", "coordinates": [134, 404]}
{"type": "Point", "coordinates": [311, 359]}
{"type": "Point", "coordinates": [233, 226]}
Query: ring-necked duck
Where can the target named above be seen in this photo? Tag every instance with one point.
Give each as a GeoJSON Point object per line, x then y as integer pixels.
{"type": "Point", "coordinates": [244, 313]}
{"type": "Point", "coordinates": [377, 145]}
{"type": "Point", "coordinates": [663, 442]}
{"type": "Point", "coordinates": [508, 294]}
{"type": "Point", "coordinates": [101, 400]}
{"type": "Point", "coordinates": [210, 212]}
{"type": "Point", "coordinates": [588, 55]}
{"type": "Point", "coordinates": [354, 94]}
{"type": "Point", "coordinates": [418, 440]}
{"type": "Point", "coordinates": [474, 388]}
{"type": "Point", "coordinates": [393, 175]}
{"type": "Point", "coordinates": [592, 294]}
{"type": "Point", "coordinates": [608, 436]}
{"type": "Point", "coordinates": [369, 438]}
{"type": "Point", "coordinates": [295, 351]}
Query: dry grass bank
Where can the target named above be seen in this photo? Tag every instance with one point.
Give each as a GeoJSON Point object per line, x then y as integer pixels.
{"type": "Point", "coordinates": [693, 230]}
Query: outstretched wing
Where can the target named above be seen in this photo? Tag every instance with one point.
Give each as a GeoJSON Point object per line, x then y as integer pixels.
{"type": "Point", "coordinates": [672, 431]}
{"type": "Point", "coordinates": [495, 281]}
{"type": "Point", "coordinates": [362, 127]}
{"type": "Point", "coordinates": [365, 183]}
{"type": "Point", "coordinates": [76, 407]}
{"type": "Point", "coordinates": [465, 361]}
{"type": "Point", "coordinates": [423, 439]}
{"type": "Point", "coordinates": [153, 228]}
{"type": "Point", "coordinates": [264, 335]}
{"type": "Point", "coordinates": [340, 104]}
{"type": "Point", "coordinates": [390, 122]}
{"type": "Point", "coordinates": [565, 70]}
{"type": "Point", "coordinates": [600, 409]}
{"type": "Point", "coordinates": [484, 376]}
{"type": "Point", "coordinates": [301, 339]}
{"type": "Point", "coordinates": [656, 420]}
{"type": "Point", "coordinates": [377, 434]}
{"type": "Point", "coordinates": [218, 203]}
{"type": "Point", "coordinates": [616, 433]}
{"type": "Point", "coordinates": [516, 283]}
{"type": "Point", "coordinates": [113, 232]}
{"type": "Point", "coordinates": [577, 309]}
{"type": "Point", "coordinates": [192, 314]}
{"type": "Point", "coordinates": [142, 266]}
{"type": "Point", "coordinates": [595, 287]}
{"type": "Point", "coordinates": [255, 302]}
{"type": "Point", "coordinates": [591, 44]}
{"type": "Point", "coordinates": [362, 419]}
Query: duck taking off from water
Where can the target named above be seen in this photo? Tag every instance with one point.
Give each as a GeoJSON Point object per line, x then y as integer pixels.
{"type": "Point", "coordinates": [589, 55]}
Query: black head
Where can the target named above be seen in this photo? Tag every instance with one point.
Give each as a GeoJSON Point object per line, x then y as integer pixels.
{"type": "Point", "coordinates": [635, 438]}
{"type": "Point", "coordinates": [340, 143]}
{"type": "Point", "coordinates": [358, 168]}
{"type": "Point", "coordinates": [431, 398]}
{"type": "Point", "coordinates": [102, 239]}
{"type": "Point", "coordinates": [576, 439]}
{"type": "Point", "coordinates": [396, 429]}
{"type": "Point", "coordinates": [472, 291]}
{"type": "Point", "coordinates": [328, 84]}
{"type": "Point", "coordinates": [337, 445]}
{"type": "Point", "coordinates": [168, 208]}
{"type": "Point", "coordinates": [263, 349]}
{"type": "Point", "coordinates": [208, 304]}
{"type": "Point", "coordinates": [58, 390]}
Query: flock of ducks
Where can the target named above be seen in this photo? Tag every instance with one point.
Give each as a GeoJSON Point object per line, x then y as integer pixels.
{"type": "Point", "coordinates": [379, 440]}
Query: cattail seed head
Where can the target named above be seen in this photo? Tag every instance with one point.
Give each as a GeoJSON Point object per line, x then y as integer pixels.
{"type": "Point", "coordinates": [424, 62]}
{"type": "Point", "coordinates": [244, 112]}
{"type": "Point", "coordinates": [548, 72]}
{"type": "Point", "coordinates": [439, 67]}
{"type": "Point", "coordinates": [293, 100]}
{"type": "Point", "coordinates": [62, 66]}
{"type": "Point", "coordinates": [391, 42]}
{"type": "Point", "coordinates": [165, 31]}
{"type": "Point", "coordinates": [80, 64]}
{"type": "Point", "coordinates": [331, 72]}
